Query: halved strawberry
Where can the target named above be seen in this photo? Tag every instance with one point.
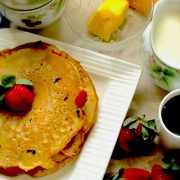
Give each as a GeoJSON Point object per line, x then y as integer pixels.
{"type": "Point", "coordinates": [136, 134]}
{"type": "Point", "coordinates": [19, 98]}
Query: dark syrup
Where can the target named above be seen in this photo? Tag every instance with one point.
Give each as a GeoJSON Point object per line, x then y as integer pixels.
{"type": "Point", "coordinates": [171, 115]}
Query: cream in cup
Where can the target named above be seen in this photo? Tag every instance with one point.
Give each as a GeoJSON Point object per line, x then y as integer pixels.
{"type": "Point", "coordinates": [165, 33]}
{"type": "Point", "coordinates": [169, 120]}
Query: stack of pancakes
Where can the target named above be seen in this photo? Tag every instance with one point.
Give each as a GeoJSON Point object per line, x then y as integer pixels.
{"type": "Point", "coordinates": [53, 132]}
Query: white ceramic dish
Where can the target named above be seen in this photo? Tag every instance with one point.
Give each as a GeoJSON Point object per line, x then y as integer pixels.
{"type": "Point", "coordinates": [115, 82]}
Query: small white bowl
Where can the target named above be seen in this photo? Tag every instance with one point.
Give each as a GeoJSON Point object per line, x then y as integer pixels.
{"type": "Point", "coordinates": [168, 139]}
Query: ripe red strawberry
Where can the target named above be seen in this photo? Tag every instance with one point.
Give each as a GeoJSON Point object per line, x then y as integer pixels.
{"type": "Point", "coordinates": [19, 98]}
{"type": "Point", "coordinates": [158, 173]}
{"type": "Point", "coordinates": [130, 174]}
{"type": "Point", "coordinates": [136, 174]}
{"type": "Point", "coordinates": [125, 138]}
{"type": "Point", "coordinates": [137, 134]}
{"type": "Point", "coordinates": [81, 99]}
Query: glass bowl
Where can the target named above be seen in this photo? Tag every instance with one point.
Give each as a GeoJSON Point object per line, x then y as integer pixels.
{"type": "Point", "coordinates": [79, 11]}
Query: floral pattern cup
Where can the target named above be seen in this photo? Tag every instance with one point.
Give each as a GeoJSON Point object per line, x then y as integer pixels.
{"type": "Point", "coordinates": [164, 75]}
{"type": "Point", "coordinates": [33, 14]}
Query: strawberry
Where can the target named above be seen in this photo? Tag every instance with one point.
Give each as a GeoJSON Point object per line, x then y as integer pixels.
{"type": "Point", "coordinates": [136, 174]}
{"type": "Point", "coordinates": [158, 173]}
{"type": "Point", "coordinates": [130, 174]}
{"type": "Point", "coordinates": [19, 98]}
{"type": "Point", "coordinates": [171, 163]}
{"type": "Point", "coordinates": [11, 171]}
{"type": "Point", "coordinates": [81, 99]}
{"type": "Point", "coordinates": [125, 138]}
{"type": "Point", "coordinates": [136, 134]}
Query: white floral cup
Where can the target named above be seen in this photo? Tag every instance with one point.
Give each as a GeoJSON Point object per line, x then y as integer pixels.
{"type": "Point", "coordinates": [165, 74]}
{"type": "Point", "coordinates": [168, 138]}
{"type": "Point", "coordinates": [31, 14]}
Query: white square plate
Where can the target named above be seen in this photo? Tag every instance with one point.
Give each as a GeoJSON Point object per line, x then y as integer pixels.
{"type": "Point", "coordinates": [115, 82]}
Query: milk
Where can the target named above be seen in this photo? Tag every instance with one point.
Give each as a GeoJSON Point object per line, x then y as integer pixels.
{"type": "Point", "coordinates": [166, 37]}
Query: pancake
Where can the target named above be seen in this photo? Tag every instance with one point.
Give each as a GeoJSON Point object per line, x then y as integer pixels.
{"type": "Point", "coordinates": [53, 131]}
{"type": "Point", "coordinates": [53, 121]}
{"type": "Point", "coordinates": [73, 148]}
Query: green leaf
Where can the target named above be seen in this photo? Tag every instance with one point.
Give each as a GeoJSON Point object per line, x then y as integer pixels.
{"type": "Point", "coordinates": [1, 101]}
{"type": "Point", "coordinates": [117, 176]}
{"type": "Point", "coordinates": [130, 120]}
{"type": "Point", "coordinates": [167, 166]}
{"type": "Point", "coordinates": [150, 124]}
{"type": "Point", "coordinates": [157, 69]}
{"type": "Point", "coordinates": [175, 166]}
{"type": "Point", "coordinates": [25, 82]}
{"type": "Point", "coordinates": [171, 165]}
{"type": "Point", "coordinates": [145, 133]}
{"type": "Point", "coordinates": [168, 72]}
{"type": "Point", "coordinates": [134, 125]}
{"type": "Point", "coordinates": [8, 81]}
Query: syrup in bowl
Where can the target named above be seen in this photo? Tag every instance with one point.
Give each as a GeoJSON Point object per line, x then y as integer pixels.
{"type": "Point", "coordinates": [171, 114]}
{"type": "Point", "coordinates": [169, 120]}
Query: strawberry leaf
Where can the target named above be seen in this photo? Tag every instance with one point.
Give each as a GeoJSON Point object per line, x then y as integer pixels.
{"type": "Point", "coordinates": [150, 124]}
{"type": "Point", "coordinates": [134, 125]}
{"type": "Point", "coordinates": [145, 133]}
{"type": "Point", "coordinates": [175, 165]}
{"type": "Point", "coordinates": [167, 166]}
{"type": "Point", "coordinates": [25, 82]}
{"type": "Point", "coordinates": [8, 81]}
{"type": "Point", "coordinates": [118, 175]}
{"type": "Point", "coordinates": [172, 165]}
{"type": "Point", "coordinates": [129, 121]}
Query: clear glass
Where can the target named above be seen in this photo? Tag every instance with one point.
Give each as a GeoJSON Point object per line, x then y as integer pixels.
{"type": "Point", "coordinates": [79, 11]}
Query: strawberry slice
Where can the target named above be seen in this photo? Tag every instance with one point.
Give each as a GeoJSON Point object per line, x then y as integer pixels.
{"type": "Point", "coordinates": [158, 173]}
{"type": "Point", "coordinates": [19, 98]}
{"type": "Point", "coordinates": [81, 99]}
